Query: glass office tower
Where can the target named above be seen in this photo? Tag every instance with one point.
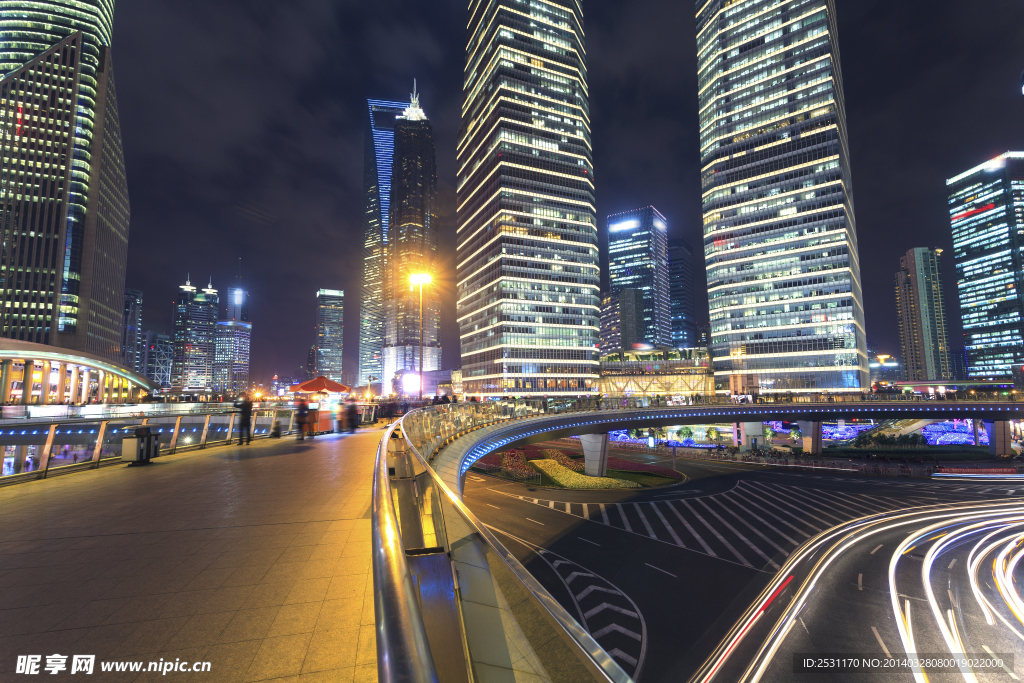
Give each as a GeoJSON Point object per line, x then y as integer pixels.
{"type": "Point", "coordinates": [133, 339]}
{"type": "Point", "coordinates": [330, 333]}
{"type": "Point", "coordinates": [780, 242]}
{"type": "Point", "coordinates": [986, 213]}
{"type": "Point", "coordinates": [75, 298]}
{"type": "Point", "coordinates": [638, 259]}
{"type": "Point", "coordinates": [528, 275]}
{"type": "Point", "coordinates": [412, 249]}
{"type": "Point", "coordinates": [680, 286]}
{"type": "Point", "coordinates": [921, 313]}
{"type": "Point", "coordinates": [195, 338]}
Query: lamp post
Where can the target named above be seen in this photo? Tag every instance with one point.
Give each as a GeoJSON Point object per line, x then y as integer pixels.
{"type": "Point", "coordinates": [420, 279]}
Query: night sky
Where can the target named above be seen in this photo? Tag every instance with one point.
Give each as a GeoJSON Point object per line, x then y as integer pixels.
{"type": "Point", "coordinates": [243, 132]}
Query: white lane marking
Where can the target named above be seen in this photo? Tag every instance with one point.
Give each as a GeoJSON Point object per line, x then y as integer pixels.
{"type": "Point", "coordinates": [951, 600]}
{"type": "Point", "coordinates": [492, 506]}
{"type": "Point", "coordinates": [572, 576]}
{"type": "Point", "coordinates": [568, 510]}
{"type": "Point", "coordinates": [771, 514]}
{"type": "Point", "coordinates": [534, 521]}
{"type": "Point", "coordinates": [1010, 492]}
{"type": "Point", "coordinates": [876, 549]}
{"type": "Point", "coordinates": [590, 589]}
{"type": "Point", "coordinates": [812, 507]}
{"type": "Point", "coordinates": [616, 652]}
{"type": "Point", "coordinates": [736, 531]}
{"type": "Point", "coordinates": [728, 497]}
{"type": "Point", "coordinates": [622, 513]}
{"type": "Point", "coordinates": [586, 541]}
{"type": "Point", "coordinates": [671, 531]}
{"type": "Point", "coordinates": [752, 528]}
{"type": "Point", "coordinates": [643, 518]}
{"type": "Point", "coordinates": [536, 502]}
{"type": "Point", "coordinates": [800, 515]}
{"type": "Point", "coordinates": [691, 530]}
{"type": "Point", "coordinates": [586, 511]}
{"type": "Point", "coordinates": [477, 478]}
{"type": "Point", "coordinates": [880, 642]}
{"type": "Point", "coordinates": [615, 627]}
{"type": "Point", "coordinates": [604, 515]}
{"type": "Point", "coordinates": [860, 582]}
{"type": "Point", "coordinates": [604, 605]}
{"type": "Point", "coordinates": [951, 564]}
{"type": "Point", "coordinates": [1005, 668]}
{"type": "Point", "coordinates": [804, 625]}
{"type": "Point", "coordinates": [662, 571]}
{"type": "Point", "coordinates": [551, 504]}
{"type": "Point", "coordinates": [714, 531]}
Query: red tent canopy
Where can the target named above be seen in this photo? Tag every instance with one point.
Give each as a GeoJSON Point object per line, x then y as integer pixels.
{"type": "Point", "coordinates": [320, 384]}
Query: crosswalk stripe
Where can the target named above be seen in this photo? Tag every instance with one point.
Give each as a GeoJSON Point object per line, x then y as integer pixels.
{"type": "Point", "coordinates": [736, 531]}
{"type": "Point", "coordinates": [671, 531]}
{"type": "Point", "coordinates": [551, 504]}
{"type": "Point", "coordinates": [800, 516]}
{"type": "Point", "coordinates": [590, 589]}
{"type": "Point", "coordinates": [717, 535]}
{"type": "Point", "coordinates": [807, 507]}
{"type": "Point", "coordinates": [864, 505]}
{"type": "Point", "coordinates": [604, 605]}
{"type": "Point", "coordinates": [643, 518]}
{"type": "Point", "coordinates": [615, 627]}
{"type": "Point", "coordinates": [820, 495]}
{"type": "Point", "coordinates": [622, 513]}
{"type": "Point", "coordinates": [735, 495]}
{"type": "Point", "coordinates": [604, 515]}
{"type": "Point", "coordinates": [689, 528]}
{"type": "Point", "coordinates": [616, 652]}
{"type": "Point", "coordinates": [568, 509]}
{"type": "Point", "coordinates": [586, 511]}
{"type": "Point", "coordinates": [806, 501]}
{"type": "Point", "coordinates": [752, 528]}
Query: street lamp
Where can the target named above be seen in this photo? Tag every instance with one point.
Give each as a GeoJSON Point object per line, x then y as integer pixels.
{"type": "Point", "coordinates": [420, 279]}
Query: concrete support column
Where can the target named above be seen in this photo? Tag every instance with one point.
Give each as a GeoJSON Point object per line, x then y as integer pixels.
{"type": "Point", "coordinates": [1000, 439]}
{"type": "Point", "coordinates": [101, 389]}
{"type": "Point", "coordinates": [76, 386]}
{"type": "Point", "coordinates": [595, 454]}
{"type": "Point", "coordinates": [19, 459]}
{"type": "Point", "coordinates": [44, 385]}
{"type": "Point", "coordinates": [86, 381]}
{"type": "Point", "coordinates": [27, 381]}
{"type": "Point", "coordinates": [5, 381]}
{"type": "Point", "coordinates": [62, 382]}
{"type": "Point", "coordinates": [749, 432]}
{"type": "Point", "coordinates": [812, 437]}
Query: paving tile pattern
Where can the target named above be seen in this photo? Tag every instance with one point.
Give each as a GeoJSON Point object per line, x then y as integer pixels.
{"type": "Point", "coordinates": [256, 559]}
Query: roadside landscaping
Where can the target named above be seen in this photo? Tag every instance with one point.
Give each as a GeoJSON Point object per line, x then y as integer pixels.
{"type": "Point", "coordinates": [566, 478]}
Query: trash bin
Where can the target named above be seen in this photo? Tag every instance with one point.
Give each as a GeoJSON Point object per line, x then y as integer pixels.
{"type": "Point", "coordinates": [140, 449]}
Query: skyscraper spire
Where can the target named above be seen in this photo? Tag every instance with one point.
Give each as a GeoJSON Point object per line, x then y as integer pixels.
{"type": "Point", "coordinates": [413, 112]}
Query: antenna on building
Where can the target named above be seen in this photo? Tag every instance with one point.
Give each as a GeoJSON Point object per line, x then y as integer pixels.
{"type": "Point", "coordinates": [415, 97]}
{"type": "Point", "coordinates": [413, 112]}
{"type": "Point", "coordinates": [188, 279]}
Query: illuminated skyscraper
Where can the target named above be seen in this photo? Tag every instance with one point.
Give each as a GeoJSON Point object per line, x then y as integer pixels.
{"type": "Point", "coordinates": [922, 316]}
{"type": "Point", "coordinates": [378, 156]}
{"type": "Point", "coordinates": [233, 344]}
{"type": "Point", "coordinates": [680, 286]}
{"type": "Point", "coordinates": [986, 212]}
{"type": "Point", "coordinates": [69, 217]}
{"type": "Point", "coordinates": [528, 274]}
{"type": "Point", "coordinates": [158, 358]}
{"type": "Point", "coordinates": [133, 340]}
{"type": "Point", "coordinates": [412, 248]}
{"type": "Point", "coordinates": [638, 259]}
{"type": "Point", "coordinates": [195, 338]}
{"type": "Point", "coordinates": [780, 241]}
{"type": "Point", "coordinates": [330, 333]}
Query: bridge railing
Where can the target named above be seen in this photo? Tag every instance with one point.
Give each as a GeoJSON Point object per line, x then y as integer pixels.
{"type": "Point", "coordinates": [452, 603]}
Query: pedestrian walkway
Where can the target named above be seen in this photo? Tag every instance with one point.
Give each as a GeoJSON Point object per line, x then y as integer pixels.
{"type": "Point", "coordinates": [255, 559]}
{"type": "Point", "coordinates": [754, 524]}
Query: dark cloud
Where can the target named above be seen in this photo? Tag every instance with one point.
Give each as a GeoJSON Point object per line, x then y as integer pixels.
{"type": "Point", "coordinates": [243, 128]}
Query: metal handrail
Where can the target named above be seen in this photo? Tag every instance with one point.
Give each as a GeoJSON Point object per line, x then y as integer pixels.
{"type": "Point", "coordinates": [403, 653]}
{"type": "Point", "coordinates": [599, 660]}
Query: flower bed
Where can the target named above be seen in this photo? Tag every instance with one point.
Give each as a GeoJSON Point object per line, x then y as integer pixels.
{"type": "Point", "coordinates": [563, 476]}
{"type": "Point", "coordinates": [629, 466]}
{"type": "Point", "coordinates": [514, 461]}
{"type": "Point", "coordinates": [563, 459]}
{"type": "Point", "coordinates": [492, 459]}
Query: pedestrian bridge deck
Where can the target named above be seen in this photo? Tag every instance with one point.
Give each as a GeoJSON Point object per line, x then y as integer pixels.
{"type": "Point", "coordinates": [255, 559]}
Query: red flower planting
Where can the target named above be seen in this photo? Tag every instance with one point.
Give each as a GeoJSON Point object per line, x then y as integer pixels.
{"type": "Point", "coordinates": [492, 459]}
{"type": "Point", "coordinates": [514, 460]}
{"type": "Point", "coordinates": [629, 466]}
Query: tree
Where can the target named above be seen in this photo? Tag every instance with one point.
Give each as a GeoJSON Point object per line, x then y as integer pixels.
{"type": "Point", "coordinates": [712, 434]}
{"type": "Point", "coordinates": [685, 433]}
{"type": "Point", "coordinates": [769, 434]}
{"type": "Point", "coordinates": [795, 435]}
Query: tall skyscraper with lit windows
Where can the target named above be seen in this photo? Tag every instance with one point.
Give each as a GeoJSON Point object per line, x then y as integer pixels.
{"type": "Point", "coordinates": [780, 241]}
{"type": "Point", "coordinates": [986, 213]}
{"type": "Point", "coordinates": [329, 350]}
{"type": "Point", "coordinates": [527, 252]}
{"type": "Point", "coordinates": [921, 313]}
{"type": "Point", "coordinates": [233, 343]}
{"type": "Point", "coordinates": [680, 286]}
{"type": "Point", "coordinates": [378, 157]}
{"type": "Point", "coordinates": [70, 216]}
{"type": "Point", "coordinates": [195, 338]}
{"type": "Point", "coordinates": [638, 259]}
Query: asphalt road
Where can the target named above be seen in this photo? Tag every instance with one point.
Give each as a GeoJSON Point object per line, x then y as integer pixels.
{"type": "Point", "coordinates": [660, 576]}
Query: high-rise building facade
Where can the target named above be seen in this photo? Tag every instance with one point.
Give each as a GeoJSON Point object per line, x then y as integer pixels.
{"type": "Point", "coordinates": [527, 250]}
{"type": "Point", "coordinates": [158, 358]}
{"type": "Point", "coordinates": [680, 286]}
{"type": "Point", "coordinates": [232, 344]}
{"type": "Point", "coordinates": [133, 339]}
{"type": "Point", "coordinates": [611, 332]}
{"type": "Point", "coordinates": [68, 217]}
{"type": "Point", "coordinates": [378, 157]}
{"type": "Point", "coordinates": [924, 341]}
{"type": "Point", "coordinates": [986, 213]}
{"type": "Point", "coordinates": [330, 333]}
{"type": "Point", "coordinates": [638, 259]}
{"type": "Point", "coordinates": [412, 249]}
{"type": "Point", "coordinates": [780, 241]}
{"type": "Point", "coordinates": [195, 338]}
{"type": "Point", "coordinates": [622, 321]}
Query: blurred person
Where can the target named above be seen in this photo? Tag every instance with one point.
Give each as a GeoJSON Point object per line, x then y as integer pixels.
{"type": "Point", "coordinates": [244, 406]}
{"type": "Point", "coordinates": [302, 417]}
{"type": "Point", "coordinates": [352, 417]}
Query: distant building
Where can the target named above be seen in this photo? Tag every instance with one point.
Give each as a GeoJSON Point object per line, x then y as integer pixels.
{"type": "Point", "coordinates": [195, 338]}
{"type": "Point", "coordinates": [611, 334]}
{"type": "Point", "coordinates": [330, 333]}
{"type": "Point", "coordinates": [158, 358]}
{"type": "Point", "coordinates": [680, 283]}
{"type": "Point", "coordinates": [986, 213]}
{"type": "Point", "coordinates": [924, 342]}
{"type": "Point", "coordinates": [311, 363]}
{"type": "Point", "coordinates": [233, 344]}
{"type": "Point", "coordinates": [621, 321]}
{"type": "Point", "coordinates": [412, 248]}
{"type": "Point", "coordinates": [638, 259]}
{"type": "Point", "coordinates": [378, 157]}
{"type": "Point", "coordinates": [884, 369]}
{"type": "Point", "coordinates": [133, 340]}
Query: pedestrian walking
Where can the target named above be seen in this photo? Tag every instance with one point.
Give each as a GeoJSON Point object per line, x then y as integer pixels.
{"type": "Point", "coordinates": [302, 417]}
{"type": "Point", "coordinates": [245, 420]}
{"type": "Point", "coordinates": [352, 417]}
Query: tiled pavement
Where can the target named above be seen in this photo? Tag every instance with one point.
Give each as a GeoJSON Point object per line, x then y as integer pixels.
{"type": "Point", "coordinates": [256, 559]}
